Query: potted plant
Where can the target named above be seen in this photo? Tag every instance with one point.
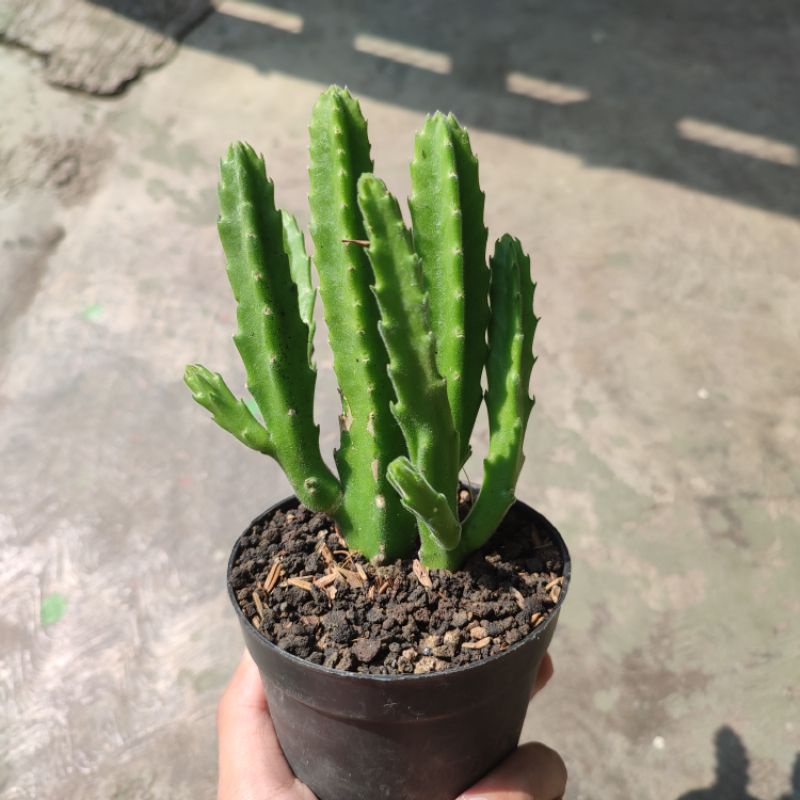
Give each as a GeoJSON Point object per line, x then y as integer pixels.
{"type": "Point", "coordinates": [397, 616]}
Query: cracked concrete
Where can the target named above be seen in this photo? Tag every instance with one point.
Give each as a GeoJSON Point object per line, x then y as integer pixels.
{"type": "Point", "coordinates": [99, 47]}
{"type": "Point", "coordinates": [664, 441]}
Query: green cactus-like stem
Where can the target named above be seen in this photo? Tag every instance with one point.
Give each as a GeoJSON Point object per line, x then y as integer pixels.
{"type": "Point", "coordinates": [371, 516]}
{"type": "Point", "coordinates": [422, 409]}
{"type": "Point", "coordinates": [210, 391]}
{"type": "Point", "coordinates": [508, 370]}
{"type": "Point", "coordinates": [272, 337]}
{"type": "Point", "coordinates": [300, 267]}
{"type": "Point", "coordinates": [450, 237]}
{"type": "Point", "coordinates": [425, 503]}
{"type": "Point", "coordinates": [407, 319]}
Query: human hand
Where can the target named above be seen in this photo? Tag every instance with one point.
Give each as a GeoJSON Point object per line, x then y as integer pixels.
{"type": "Point", "coordinates": [252, 765]}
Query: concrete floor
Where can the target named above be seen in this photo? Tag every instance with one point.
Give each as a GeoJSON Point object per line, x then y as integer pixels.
{"type": "Point", "coordinates": [646, 154]}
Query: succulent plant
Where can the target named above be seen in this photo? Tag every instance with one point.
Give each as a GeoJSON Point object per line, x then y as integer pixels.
{"type": "Point", "coordinates": [408, 313]}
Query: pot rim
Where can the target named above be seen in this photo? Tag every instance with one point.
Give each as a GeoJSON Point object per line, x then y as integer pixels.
{"type": "Point", "coordinates": [288, 502]}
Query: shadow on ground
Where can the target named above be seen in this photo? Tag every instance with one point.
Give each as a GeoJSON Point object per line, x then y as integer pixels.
{"type": "Point", "coordinates": [732, 772]}
{"type": "Point", "coordinates": [700, 95]}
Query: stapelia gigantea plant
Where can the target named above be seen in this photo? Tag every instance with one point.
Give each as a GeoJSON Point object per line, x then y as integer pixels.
{"type": "Point", "coordinates": [407, 313]}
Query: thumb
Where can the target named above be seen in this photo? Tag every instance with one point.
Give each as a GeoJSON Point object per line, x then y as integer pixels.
{"type": "Point", "coordinates": [251, 762]}
{"type": "Point", "coordinates": [531, 772]}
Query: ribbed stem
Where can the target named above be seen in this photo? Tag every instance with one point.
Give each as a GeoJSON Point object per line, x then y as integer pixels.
{"type": "Point", "coordinates": [511, 329]}
{"type": "Point", "coordinates": [450, 237]}
{"type": "Point", "coordinates": [371, 516]}
{"type": "Point", "coordinates": [272, 337]}
{"type": "Point", "coordinates": [422, 409]}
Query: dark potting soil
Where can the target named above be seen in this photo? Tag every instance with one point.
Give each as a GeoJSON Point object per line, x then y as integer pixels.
{"type": "Point", "coordinates": [298, 584]}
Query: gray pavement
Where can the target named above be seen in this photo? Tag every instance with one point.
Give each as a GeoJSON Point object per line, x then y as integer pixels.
{"type": "Point", "coordinates": [648, 157]}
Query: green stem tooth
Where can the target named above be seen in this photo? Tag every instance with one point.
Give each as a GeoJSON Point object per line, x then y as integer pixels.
{"type": "Point", "coordinates": [300, 268]}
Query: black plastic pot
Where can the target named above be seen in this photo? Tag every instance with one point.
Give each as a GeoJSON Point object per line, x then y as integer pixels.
{"type": "Point", "coordinates": [406, 737]}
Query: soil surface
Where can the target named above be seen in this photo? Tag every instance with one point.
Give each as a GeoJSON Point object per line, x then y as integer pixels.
{"type": "Point", "coordinates": [300, 586]}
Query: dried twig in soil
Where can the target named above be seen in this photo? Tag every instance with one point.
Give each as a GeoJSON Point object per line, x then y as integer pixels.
{"type": "Point", "coordinates": [479, 645]}
{"type": "Point", "coordinates": [423, 576]}
{"type": "Point", "coordinates": [300, 584]}
{"type": "Point", "coordinates": [352, 578]}
{"type": "Point", "coordinates": [272, 576]}
{"type": "Point", "coordinates": [325, 552]}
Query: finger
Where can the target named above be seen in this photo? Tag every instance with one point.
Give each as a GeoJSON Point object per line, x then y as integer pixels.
{"type": "Point", "coordinates": [532, 772]}
{"type": "Point", "coordinates": [251, 763]}
{"type": "Point", "coordinates": [546, 670]}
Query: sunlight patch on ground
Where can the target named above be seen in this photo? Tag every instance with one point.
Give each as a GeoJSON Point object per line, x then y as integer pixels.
{"type": "Point", "coordinates": [266, 15]}
{"type": "Point", "coordinates": [430, 60]}
{"type": "Point", "coordinates": [560, 94]}
{"type": "Point", "coordinates": [747, 144]}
